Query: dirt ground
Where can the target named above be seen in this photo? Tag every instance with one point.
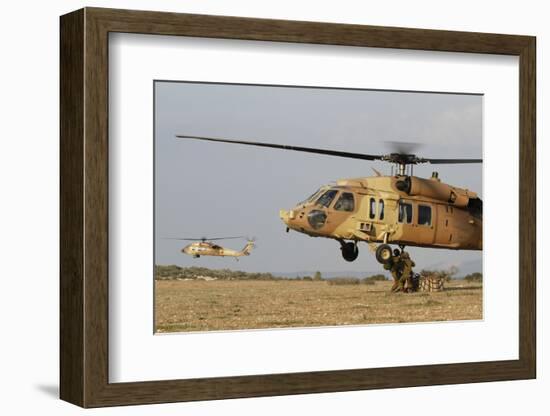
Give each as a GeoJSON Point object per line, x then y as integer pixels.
{"type": "Point", "coordinates": [197, 305]}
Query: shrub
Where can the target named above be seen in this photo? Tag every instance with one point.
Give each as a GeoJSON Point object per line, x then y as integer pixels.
{"type": "Point", "coordinates": [344, 281]}
{"type": "Point", "coordinates": [474, 277]}
{"type": "Point", "coordinates": [446, 274]}
{"type": "Point", "coordinates": [375, 278]}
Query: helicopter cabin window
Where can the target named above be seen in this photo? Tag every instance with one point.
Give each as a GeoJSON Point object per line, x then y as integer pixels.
{"type": "Point", "coordinates": [381, 209]}
{"type": "Point", "coordinates": [405, 212]}
{"type": "Point", "coordinates": [325, 199]}
{"type": "Point", "coordinates": [345, 202]}
{"type": "Point", "coordinates": [372, 208]}
{"type": "Point", "coordinates": [424, 215]}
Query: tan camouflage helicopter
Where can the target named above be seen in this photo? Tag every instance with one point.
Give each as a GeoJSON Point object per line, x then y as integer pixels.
{"type": "Point", "coordinates": [205, 247]}
{"type": "Point", "coordinates": [399, 209]}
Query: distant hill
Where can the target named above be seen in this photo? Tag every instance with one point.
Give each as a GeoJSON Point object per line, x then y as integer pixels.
{"type": "Point", "coordinates": [464, 268]}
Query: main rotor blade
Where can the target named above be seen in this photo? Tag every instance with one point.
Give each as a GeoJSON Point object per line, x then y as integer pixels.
{"type": "Point", "coordinates": [287, 147]}
{"type": "Point", "coordinates": [395, 158]}
{"type": "Point", "coordinates": [451, 161]}
{"type": "Point", "coordinates": [226, 238]}
{"type": "Point", "coordinates": [181, 239]}
{"type": "Point", "coordinates": [203, 239]}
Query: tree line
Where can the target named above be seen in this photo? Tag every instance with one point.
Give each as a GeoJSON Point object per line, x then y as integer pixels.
{"type": "Point", "coordinates": [176, 272]}
{"type": "Point", "coordinates": [173, 272]}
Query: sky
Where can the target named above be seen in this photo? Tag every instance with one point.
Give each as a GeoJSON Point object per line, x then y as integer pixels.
{"type": "Point", "coordinates": [207, 189]}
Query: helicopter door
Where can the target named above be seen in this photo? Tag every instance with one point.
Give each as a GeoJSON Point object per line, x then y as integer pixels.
{"type": "Point", "coordinates": [341, 210]}
{"type": "Point", "coordinates": [445, 225]}
{"type": "Point", "coordinates": [424, 223]}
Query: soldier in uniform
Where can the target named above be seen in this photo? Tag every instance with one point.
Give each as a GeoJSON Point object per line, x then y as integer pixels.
{"type": "Point", "coordinates": [394, 265]}
{"type": "Point", "coordinates": [406, 265]}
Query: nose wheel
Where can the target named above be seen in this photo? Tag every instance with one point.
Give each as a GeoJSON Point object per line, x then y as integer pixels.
{"type": "Point", "coordinates": [350, 251]}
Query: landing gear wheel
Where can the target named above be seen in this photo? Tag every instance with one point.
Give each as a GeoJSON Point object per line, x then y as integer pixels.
{"type": "Point", "coordinates": [383, 253]}
{"type": "Point", "coordinates": [349, 251]}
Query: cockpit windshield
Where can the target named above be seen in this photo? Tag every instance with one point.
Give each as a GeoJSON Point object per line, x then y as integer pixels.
{"type": "Point", "coordinates": [311, 198]}
{"type": "Point", "coordinates": [325, 199]}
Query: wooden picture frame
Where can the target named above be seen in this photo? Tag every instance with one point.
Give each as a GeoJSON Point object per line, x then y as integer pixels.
{"type": "Point", "coordinates": [84, 207]}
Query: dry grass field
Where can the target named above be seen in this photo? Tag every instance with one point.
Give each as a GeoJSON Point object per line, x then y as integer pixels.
{"type": "Point", "coordinates": [196, 305]}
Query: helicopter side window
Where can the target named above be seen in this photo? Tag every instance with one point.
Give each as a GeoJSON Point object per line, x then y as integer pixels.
{"type": "Point", "coordinates": [345, 202]}
{"type": "Point", "coordinates": [424, 215]}
{"type": "Point", "coordinates": [405, 212]}
{"type": "Point", "coordinates": [325, 199]}
{"type": "Point", "coordinates": [372, 208]}
{"type": "Point", "coordinates": [381, 209]}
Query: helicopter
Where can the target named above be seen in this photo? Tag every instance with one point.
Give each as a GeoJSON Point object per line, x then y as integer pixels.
{"type": "Point", "coordinates": [205, 247]}
{"type": "Point", "coordinates": [400, 209]}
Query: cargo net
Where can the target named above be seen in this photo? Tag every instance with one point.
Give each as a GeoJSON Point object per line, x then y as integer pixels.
{"type": "Point", "coordinates": [432, 283]}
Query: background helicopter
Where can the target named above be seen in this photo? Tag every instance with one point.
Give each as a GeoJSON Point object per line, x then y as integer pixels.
{"type": "Point", "coordinates": [205, 247]}
{"type": "Point", "coordinates": [397, 209]}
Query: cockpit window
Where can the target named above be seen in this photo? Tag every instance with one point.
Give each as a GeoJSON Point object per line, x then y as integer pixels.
{"type": "Point", "coordinates": [345, 202]}
{"type": "Point", "coordinates": [311, 197]}
{"type": "Point", "coordinates": [325, 199]}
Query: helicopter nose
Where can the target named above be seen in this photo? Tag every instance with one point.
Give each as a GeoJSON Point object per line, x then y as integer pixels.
{"type": "Point", "coordinates": [283, 214]}
{"type": "Point", "coordinates": [289, 218]}
{"type": "Point", "coordinates": [286, 216]}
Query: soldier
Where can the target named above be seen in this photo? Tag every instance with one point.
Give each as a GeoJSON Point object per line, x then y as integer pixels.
{"type": "Point", "coordinates": [406, 275]}
{"type": "Point", "coordinates": [394, 265]}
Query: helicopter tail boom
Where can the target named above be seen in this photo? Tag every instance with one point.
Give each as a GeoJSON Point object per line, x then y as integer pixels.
{"type": "Point", "coordinates": [246, 249]}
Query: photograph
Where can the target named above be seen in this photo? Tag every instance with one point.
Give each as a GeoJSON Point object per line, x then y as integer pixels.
{"type": "Point", "coordinates": [288, 206]}
{"type": "Point", "coordinates": [302, 207]}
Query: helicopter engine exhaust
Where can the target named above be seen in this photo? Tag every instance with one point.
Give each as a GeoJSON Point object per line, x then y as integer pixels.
{"type": "Point", "coordinates": [432, 188]}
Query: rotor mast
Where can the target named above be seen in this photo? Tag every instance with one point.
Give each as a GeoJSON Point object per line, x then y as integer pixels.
{"type": "Point", "coordinates": [402, 167]}
{"type": "Point", "coordinates": [402, 160]}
